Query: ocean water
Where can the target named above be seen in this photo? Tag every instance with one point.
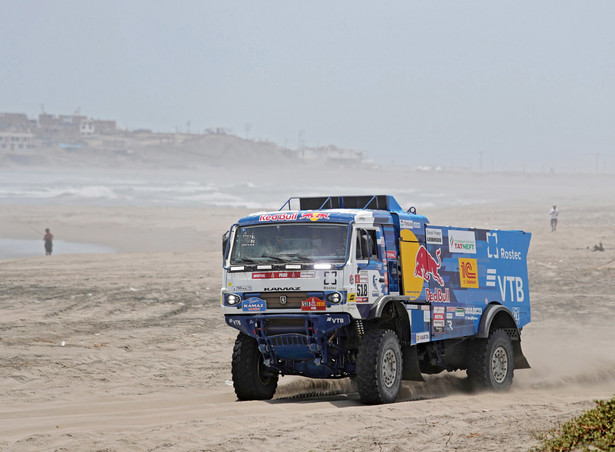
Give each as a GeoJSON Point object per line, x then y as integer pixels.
{"type": "Point", "coordinates": [219, 189]}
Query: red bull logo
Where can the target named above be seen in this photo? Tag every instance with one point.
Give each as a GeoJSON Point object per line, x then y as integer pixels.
{"type": "Point", "coordinates": [428, 267]}
{"type": "Point", "coordinates": [278, 217]}
{"type": "Point", "coordinates": [315, 216]}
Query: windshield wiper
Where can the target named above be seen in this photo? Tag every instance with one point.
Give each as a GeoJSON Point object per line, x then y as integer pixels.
{"type": "Point", "coordinates": [244, 260]}
{"type": "Point", "coordinates": [275, 258]}
{"type": "Point", "coordinates": [299, 256]}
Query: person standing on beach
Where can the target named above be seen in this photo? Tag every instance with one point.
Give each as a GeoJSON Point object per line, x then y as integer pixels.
{"type": "Point", "coordinates": [48, 238]}
{"type": "Point", "coordinates": [554, 213]}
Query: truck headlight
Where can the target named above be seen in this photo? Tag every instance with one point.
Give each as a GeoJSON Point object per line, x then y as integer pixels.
{"type": "Point", "coordinates": [334, 297]}
{"type": "Point", "coordinates": [232, 299]}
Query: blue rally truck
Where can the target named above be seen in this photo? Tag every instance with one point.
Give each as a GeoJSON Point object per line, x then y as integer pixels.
{"type": "Point", "coordinates": [354, 286]}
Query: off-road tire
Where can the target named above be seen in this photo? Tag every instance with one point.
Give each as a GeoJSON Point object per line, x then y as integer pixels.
{"type": "Point", "coordinates": [252, 380]}
{"type": "Point", "coordinates": [491, 362]}
{"type": "Point", "coordinates": [379, 367]}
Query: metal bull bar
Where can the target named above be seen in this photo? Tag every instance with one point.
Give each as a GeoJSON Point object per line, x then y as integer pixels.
{"type": "Point", "coordinates": [296, 337]}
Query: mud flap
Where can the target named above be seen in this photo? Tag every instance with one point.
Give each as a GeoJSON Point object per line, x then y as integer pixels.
{"type": "Point", "coordinates": [411, 369]}
{"type": "Point", "coordinates": [520, 360]}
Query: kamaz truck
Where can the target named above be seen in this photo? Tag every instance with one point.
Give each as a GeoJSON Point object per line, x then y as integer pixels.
{"type": "Point", "coordinates": [355, 286]}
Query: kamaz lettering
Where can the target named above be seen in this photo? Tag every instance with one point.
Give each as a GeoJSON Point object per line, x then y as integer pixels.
{"type": "Point", "coordinates": [280, 289]}
{"type": "Point", "coordinates": [372, 291]}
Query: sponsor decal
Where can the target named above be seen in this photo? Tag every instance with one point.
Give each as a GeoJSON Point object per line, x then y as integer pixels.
{"type": "Point", "coordinates": [234, 322]}
{"type": "Point", "coordinates": [516, 314]}
{"type": "Point", "coordinates": [510, 254]}
{"type": "Point", "coordinates": [500, 253]}
{"type": "Point", "coordinates": [433, 236]}
{"type": "Point", "coordinates": [330, 278]}
{"type": "Point", "coordinates": [511, 287]}
{"type": "Point", "coordinates": [253, 305]}
{"type": "Point", "coordinates": [427, 267]}
{"type": "Point", "coordinates": [422, 337]}
{"type": "Point", "coordinates": [280, 289]}
{"type": "Point", "coordinates": [406, 224]}
{"type": "Point", "coordinates": [491, 274]}
{"type": "Point", "coordinates": [439, 309]}
{"type": "Point", "coordinates": [391, 255]}
{"type": "Point", "coordinates": [315, 216]}
{"type": "Point", "coordinates": [278, 217]}
{"type": "Point", "coordinates": [241, 288]}
{"type": "Point", "coordinates": [438, 295]}
{"type": "Point", "coordinates": [492, 245]}
{"type": "Point", "coordinates": [283, 275]}
{"type": "Point", "coordinates": [335, 320]}
{"type": "Point", "coordinates": [362, 299]}
{"type": "Point", "coordinates": [352, 297]}
{"type": "Point", "coordinates": [449, 315]}
{"type": "Point", "coordinates": [459, 312]}
{"type": "Point", "coordinates": [468, 275]}
{"type": "Point", "coordinates": [416, 225]}
{"type": "Point", "coordinates": [461, 241]}
{"type": "Point", "coordinates": [473, 311]}
{"type": "Point", "coordinates": [313, 304]}
{"type": "Point", "coordinates": [351, 279]}
{"type": "Point", "coordinates": [362, 277]}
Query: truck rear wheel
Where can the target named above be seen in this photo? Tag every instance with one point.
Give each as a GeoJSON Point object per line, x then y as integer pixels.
{"type": "Point", "coordinates": [379, 367]}
{"type": "Point", "coordinates": [491, 362]}
{"type": "Point", "coordinates": [252, 380]}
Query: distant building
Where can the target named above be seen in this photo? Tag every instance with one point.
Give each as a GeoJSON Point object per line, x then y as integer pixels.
{"type": "Point", "coordinates": [14, 141]}
{"type": "Point", "coordinates": [333, 153]}
{"type": "Point", "coordinates": [16, 121]}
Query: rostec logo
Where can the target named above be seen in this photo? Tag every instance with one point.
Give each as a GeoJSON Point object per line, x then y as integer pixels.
{"type": "Point", "coordinates": [278, 217]}
{"type": "Point", "coordinates": [427, 266]}
{"type": "Point", "coordinates": [467, 273]}
{"type": "Point", "coordinates": [500, 253]}
{"type": "Point", "coordinates": [315, 216]}
{"type": "Point", "coordinates": [492, 245]}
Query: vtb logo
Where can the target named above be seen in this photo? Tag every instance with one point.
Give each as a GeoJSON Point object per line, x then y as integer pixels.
{"type": "Point", "coordinates": [468, 273]}
{"type": "Point", "coordinates": [314, 216]}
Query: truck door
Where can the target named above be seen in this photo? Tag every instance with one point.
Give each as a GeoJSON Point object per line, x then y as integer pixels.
{"type": "Point", "coordinates": [371, 272]}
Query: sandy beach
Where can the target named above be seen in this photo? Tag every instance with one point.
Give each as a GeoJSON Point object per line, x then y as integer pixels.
{"type": "Point", "coordinates": [129, 350]}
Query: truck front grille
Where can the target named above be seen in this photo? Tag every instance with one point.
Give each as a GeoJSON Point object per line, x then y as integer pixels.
{"type": "Point", "coordinates": [285, 300]}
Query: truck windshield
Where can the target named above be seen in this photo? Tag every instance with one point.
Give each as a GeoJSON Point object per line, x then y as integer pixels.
{"type": "Point", "coordinates": [290, 243]}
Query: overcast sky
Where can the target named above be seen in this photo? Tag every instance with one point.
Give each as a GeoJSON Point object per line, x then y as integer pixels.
{"type": "Point", "coordinates": [512, 84]}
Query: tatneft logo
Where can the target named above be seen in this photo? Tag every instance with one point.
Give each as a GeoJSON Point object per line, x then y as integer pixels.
{"type": "Point", "coordinates": [461, 242]}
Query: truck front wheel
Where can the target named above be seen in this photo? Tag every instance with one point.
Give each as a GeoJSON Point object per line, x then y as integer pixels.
{"type": "Point", "coordinates": [252, 380]}
{"type": "Point", "coordinates": [491, 362]}
{"type": "Point", "coordinates": [379, 366]}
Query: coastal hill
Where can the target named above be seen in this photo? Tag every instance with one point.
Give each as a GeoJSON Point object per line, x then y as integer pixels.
{"type": "Point", "coordinates": [76, 141]}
